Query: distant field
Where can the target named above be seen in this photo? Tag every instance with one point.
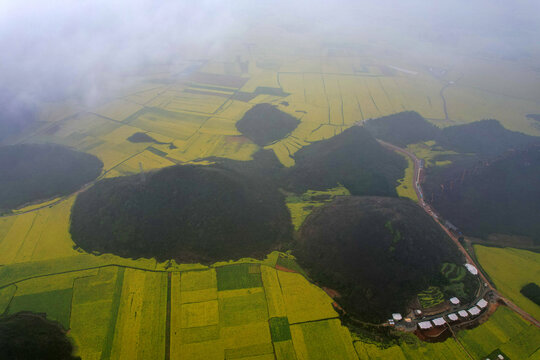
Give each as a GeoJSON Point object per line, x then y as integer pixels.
{"type": "Point", "coordinates": [511, 269]}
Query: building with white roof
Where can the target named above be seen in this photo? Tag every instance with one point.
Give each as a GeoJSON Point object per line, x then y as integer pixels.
{"type": "Point", "coordinates": [397, 316]}
{"type": "Point", "coordinates": [482, 303]}
{"type": "Point", "coordinates": [453, 317]}
{"type": "Point", "coordinates": [463, 313]}
{"type": "Point", "coordinates": [472, 269]}
{"type": "Point", "coordinates": [474, 310]}
{"type": "Point", "coordinates": [439, 321]}
{"type": "Point", "coordinates": [454, 301]}
{"type": "Point", "coordinates": [425, 325]}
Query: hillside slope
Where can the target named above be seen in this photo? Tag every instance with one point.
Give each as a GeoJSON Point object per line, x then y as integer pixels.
{"type": "Point", "coordinates": [377, 252]}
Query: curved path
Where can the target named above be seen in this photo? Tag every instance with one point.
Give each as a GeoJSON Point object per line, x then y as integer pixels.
{"type": "Point", "coordinates": [470, 260]}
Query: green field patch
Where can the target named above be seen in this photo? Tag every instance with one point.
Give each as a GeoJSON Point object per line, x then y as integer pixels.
{"type": "Point", "coordinates": [431, 297]}
{"type": "Point", "coordinates": [56, 304]}
{"type": "Point", "coordinates": [284, 350]}
{"type": "Point", "coordinates": [505, 331]}
{"type": "Point", "coordinates": [238, 276]}
{"type": "Point", "coordinates": [249, 351]}
{"type": "Point", "coordinates": [199, 334]}
{"type": "Point", "coordinates": [6, 294]}
{"type": "Point", "coordinates": [323, 340]}
{"type": "Point", "coordinates": [289, 262]}
{"type": "Point", "coordinates": [107, 345]}
{"type": "Point", "coordinates": [243, 309]}
{"type": "Point", "coordinates": [280, 329]}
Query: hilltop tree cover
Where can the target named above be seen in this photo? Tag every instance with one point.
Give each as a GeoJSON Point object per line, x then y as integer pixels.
{"type": "Point", "coordinates": [486, 197]}
{"type": "Point", "coordinates": [27, 336]}
{"type": "Point", "coordinates": [33, 172]}
{"type": "Point", "coordinates": [187, 213]}
{"type": "Point", "coordinates": [377, 252]}
{"type": "Point", "coordinates": [353, 158]}
{"type": "Point", "coordinates": [265, 123]}
{"type": "Point", "coordinates": [403, 128]}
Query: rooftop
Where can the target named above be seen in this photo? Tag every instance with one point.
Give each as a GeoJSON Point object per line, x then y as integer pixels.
{"type": "Point", "coordinates": [397, 316]}
{"type": "Point", "coordinates": [439, 321]}
{"type": "Point", "coordinates": [424, 325]}
{"type": "Point", "coordinates": [482, 303]}
{"type": "Point", "coordinates": [472, 269]}
{"type": "Point", "coordinates": [463, 313]}
{"type": "Point", "coordinates": [454, 300]}
{"type": "Point", "coordinates": [474, 310]}
{"type": "Point", "coordinates": [453, 317]}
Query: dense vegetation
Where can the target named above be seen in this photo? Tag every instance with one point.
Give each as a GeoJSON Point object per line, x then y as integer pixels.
{"type": "Point", "coordinates": [33, 172]}
{"type": "Point", "coordinates": [27, 336]}
{"type": "Point", "coordinates": [377, 252]}
{"type": "Point", "coordinates": [188, 213]}
{"type": "Point", "coordinates": [353, 158]}
{"type": "Point", "coordinates": [483, 138]}
{"type": "Point", "coordinates": [532, 291]}
{"type": "Point", "coordinates": [486, 197]}
{"type": "Point", "coordinates": [265, 123]}
{"type": "Point", "coordinates": [403, 128]}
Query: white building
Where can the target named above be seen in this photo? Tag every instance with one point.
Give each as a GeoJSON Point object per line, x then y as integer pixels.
{"type": "Point", "coordinates": [463, 313]}
{"type": "Point", "coordinates": [454, 301]}
{"type": "Point", "coordinates": [453, 317]}
{"type": "Point", "coordinates": [472, 269]}
{"type": "Point", "coordinates": [439, 321]}
{"type": "Point", "coordinates": [482, 303]}
{"type": "Point", "coordinates": [474, 310]}
{"type": "Point", "coordinates": [425, 325]}
{"type": "Point", "coordinates": [397, 316]}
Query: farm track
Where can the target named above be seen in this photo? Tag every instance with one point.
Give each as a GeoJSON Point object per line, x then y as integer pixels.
{"type": "Point", "coordinates": [427, 209]}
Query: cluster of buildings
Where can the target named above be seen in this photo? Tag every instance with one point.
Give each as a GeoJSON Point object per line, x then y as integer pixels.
{"type": "Point", "coordinates": [464, 314]}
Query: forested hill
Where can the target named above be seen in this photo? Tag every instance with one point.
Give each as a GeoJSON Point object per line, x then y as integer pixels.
{"type": "Point", "coordinates": [378, 253]}
{"type": "Point", "coordinates": [486, 197]}
{"type": "Point", "coordinates": [353, 158]}
{"type": "Point", "coordinates": [187, 213]}
{"type": "Point", "coordinates": [32, 172]}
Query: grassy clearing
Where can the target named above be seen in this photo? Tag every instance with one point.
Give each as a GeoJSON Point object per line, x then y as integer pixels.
{"type": "Point", "coordinates": [300, 206]}
{"type": "Point", "coordinates": [406, 185]}
{"type": "Point", "coordinates": [511, 269]}
{"type": "Point", "coordinates": [238, 276]}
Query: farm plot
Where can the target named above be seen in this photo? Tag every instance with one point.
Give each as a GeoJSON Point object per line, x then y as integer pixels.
{"type": "Point", "coordinates": [188, 101]}
{"type": "Point", "coordinates": [118, 110]}
{"type": "Point", "coordinates": [94, 310]}
{"type": "Point", "coordinates": [511, 269]}
{"type": "Point", "coordinates": [38, 235]}
{"type": "Point", "coordinates": [239, 276]}
{"type": "Point", "coordinates": [303, 300]}
{"type": "Point", "coordinates": [177, 125]}
{"type": "Point", "coordinates": [140, 332]}
{"type": "Point", "coordinates": [325, 339]}
{"type": "Point", "coordinates": [505, 331]}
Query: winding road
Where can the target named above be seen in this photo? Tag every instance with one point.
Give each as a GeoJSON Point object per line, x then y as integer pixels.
{"type": "Point", "coordinates": [429, 211]}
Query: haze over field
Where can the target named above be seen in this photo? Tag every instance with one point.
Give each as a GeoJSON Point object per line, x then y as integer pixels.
{"type": "Point", "coordinates": [85, 49]}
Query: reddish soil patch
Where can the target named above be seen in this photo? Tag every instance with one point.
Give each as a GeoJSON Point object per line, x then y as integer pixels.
{"type": "Point", "coordinates": [281, 268]}
{"type": "Point", "coordinates": [331, 292]}
{"type": "Point", "coordinates": [237, 139]}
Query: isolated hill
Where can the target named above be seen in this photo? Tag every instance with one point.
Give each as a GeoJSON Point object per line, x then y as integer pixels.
{"type": "Point", "coordinates": [403, 128]}
{"type": "Point", "coordinates": [31, 172]}
{"type": "Point", "coordinates": [377, 252]}
{"type": "Point", "coordinates": [188, 213]}
{"type": "Point", "coordinates": [484, 138]}
{"type": "Point", "coordinates": [497, 196]}
{"type": "Point", "coordinates": [27, 336]}
{"type": "Point", "coordinates": [353, 158]}
{"type": "Point", "coordinates": [265, 123]}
